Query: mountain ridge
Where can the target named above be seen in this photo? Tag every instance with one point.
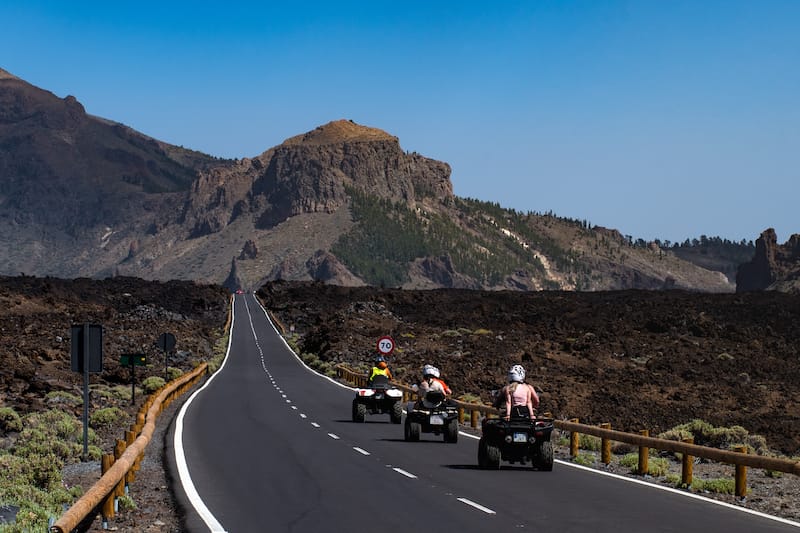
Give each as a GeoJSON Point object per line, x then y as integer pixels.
{"type": "Point", "coordinates": [136, 206]}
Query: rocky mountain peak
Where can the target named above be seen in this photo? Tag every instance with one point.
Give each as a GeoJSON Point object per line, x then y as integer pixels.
{"type": "Point", "coordinates": [773, 266]}
{"type": "Point", "coordinates": [340, 131]}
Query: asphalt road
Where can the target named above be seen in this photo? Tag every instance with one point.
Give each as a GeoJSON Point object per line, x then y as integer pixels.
{"type": "Point", "coordinates": [268, 445]}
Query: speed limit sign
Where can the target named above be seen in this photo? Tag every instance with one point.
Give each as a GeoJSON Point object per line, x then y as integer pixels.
{"type": "Point", "coordinates": [385, 345]}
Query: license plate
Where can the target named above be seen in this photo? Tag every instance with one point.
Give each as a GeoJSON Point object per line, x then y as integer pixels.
{"type": "Point", "coordinates": [437, 420]}
{"type": "Point", "coordinates": [520, 437]}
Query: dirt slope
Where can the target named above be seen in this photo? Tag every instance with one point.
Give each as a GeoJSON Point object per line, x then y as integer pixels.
{"type": "Point", "coordinates": [637, 359]}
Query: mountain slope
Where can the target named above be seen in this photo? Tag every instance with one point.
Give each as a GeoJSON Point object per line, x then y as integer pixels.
{"type": "Point", "coordinates": [86, 197]}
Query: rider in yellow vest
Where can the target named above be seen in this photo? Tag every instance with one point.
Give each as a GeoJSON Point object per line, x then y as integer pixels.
{"type": "Point", "coordinates": [380, 369]}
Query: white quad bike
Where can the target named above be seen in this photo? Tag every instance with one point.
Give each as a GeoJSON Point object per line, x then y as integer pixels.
{"type": "Point", "coordinates": [379, 398]}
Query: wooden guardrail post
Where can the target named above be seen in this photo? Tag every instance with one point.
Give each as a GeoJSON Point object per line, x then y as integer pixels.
{"type": "Point", "coordinates": [119, 449]}
{"type": "Point", "coordinates": [740, 479]}
{"type": "Point", "coordinates": [107, 510]}
{"type": "Point", "coordinates": [460, 415]}
{"type": "Point", "coordinates": [687, 465]}
{"type": "Point", "coordinates": [644, 454]}
{"type": "Point", "coordinates": [130, 476]}
{"type": "Point", "coordinates": [605, 445]}
{"type": "Point", "coordinates": [473, 418]}
{"type": "Point", "coordinates": [574, 440]}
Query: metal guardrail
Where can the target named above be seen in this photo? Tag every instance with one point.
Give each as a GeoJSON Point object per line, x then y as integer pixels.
{"type": "Point", "coordinates": [119, 469]}
{"type": "Point", "coordinates": [739, 458]}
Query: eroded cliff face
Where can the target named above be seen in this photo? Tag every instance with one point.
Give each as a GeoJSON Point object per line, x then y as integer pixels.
{"type": "Point", "coordinates": [774, 266]}
{"type": "Point", "coordinates": [311, 173]}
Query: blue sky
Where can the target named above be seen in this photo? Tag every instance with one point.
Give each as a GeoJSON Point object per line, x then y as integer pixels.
{"type": "Point", "coordinates": [663, 119]}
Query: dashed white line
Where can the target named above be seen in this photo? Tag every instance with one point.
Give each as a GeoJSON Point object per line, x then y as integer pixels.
{"type": "Point", "coordinates": [407, 474]}
{"type": "Point", "coordinates": [302, 415]}
{"type": "Point", "coordinates": [294, 407]}
{"type": "Point", "coordinates": [315, 424]}
{"type": "Point", "coordinates": [333, 436]}
{"type": "Point", "coordinates": [476, 505]}
{"type": "Point", "coordinates": [360, 450]}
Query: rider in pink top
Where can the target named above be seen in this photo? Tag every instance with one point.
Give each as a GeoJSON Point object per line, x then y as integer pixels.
{"type": "Point", "coordinates": [521, 398]}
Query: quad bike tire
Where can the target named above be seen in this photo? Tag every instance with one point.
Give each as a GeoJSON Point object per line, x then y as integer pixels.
{"type": "Point", "coordinates": [493, 457]}
{"type": "Point", "coordinates": [544, 459]}
{"type": "Point", "coordinates": [396, 414]}
{"type": "Point", "coordinates": [412, 431]}
{"type": "Point", "coordinates": [359, 412]}
{"type": "Point", "coordinates": [451, 431]}
{"type": "Point", "coordinates": [483, 458]}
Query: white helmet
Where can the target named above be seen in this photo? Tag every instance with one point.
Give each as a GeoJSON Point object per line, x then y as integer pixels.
{"type": "Point", "coordinates": [516, 373]}
{"type": "Point", "coordinates": [430, 370]}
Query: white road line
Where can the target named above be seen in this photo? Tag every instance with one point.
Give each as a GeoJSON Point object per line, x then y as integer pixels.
{"type": "Point", "coordinates": [476, 505]}
{"type": "Point", "coordinates": [360, 450]}
{"type": "Point", "coordinates": [407, 474]}
{"type": "Point", "coordinates": [302, 415]}
{"type": "Point", "coordinates": [294, 407]}
{"type": "Point", "coordinates": [333, 436]}
{"type": "Point", "coordinates": [315, 424]}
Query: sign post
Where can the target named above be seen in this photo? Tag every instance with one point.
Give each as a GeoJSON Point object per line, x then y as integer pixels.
{"type": "Point", "coordinates": [166, 342]}
{"type": "Point", "coordinates": [132, 360]}
{"type": "Point", "coordinates": [86, 356]}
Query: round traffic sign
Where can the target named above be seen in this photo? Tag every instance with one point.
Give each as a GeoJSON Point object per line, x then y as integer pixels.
{"type": "Point", "coordinates": [385, 345]}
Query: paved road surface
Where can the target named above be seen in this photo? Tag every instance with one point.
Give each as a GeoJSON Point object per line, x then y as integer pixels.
{"type": "Point", "coordinates": [268, 445]}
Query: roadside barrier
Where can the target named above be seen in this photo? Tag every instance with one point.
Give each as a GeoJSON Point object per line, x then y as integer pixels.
{"type": "Point", "coordinates": [119, 469]}
{"type": "Point", "coordinates": [739, 458]}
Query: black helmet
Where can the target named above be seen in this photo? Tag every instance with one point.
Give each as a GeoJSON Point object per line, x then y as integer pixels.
{"type": "Point", "coordinates": [379, 359]}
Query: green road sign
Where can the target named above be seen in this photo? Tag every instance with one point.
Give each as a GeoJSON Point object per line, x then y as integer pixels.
{"type": "Point", "coordinates": [130, 359]}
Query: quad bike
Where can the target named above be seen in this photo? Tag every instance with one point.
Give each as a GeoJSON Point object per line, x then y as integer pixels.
{"type": "Point", "coordinates": [379, 398]}
{"type": "Point", "coordinates": [518, 440]}
{"type": "Point", "coordinates": [433, 414]}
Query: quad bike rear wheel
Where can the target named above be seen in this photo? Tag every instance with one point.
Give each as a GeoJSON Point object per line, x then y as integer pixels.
{"type": "Point", "coordinates": [451, 431]}
{"type": "Point", "coordinates": [544, 459]}
{"type": "Point", "coordinates": [396, 414]}
{"type": "Point", "coordinates": [412, 431]}
{"type": "Point", "coordinates": [359, 412]}
{"type": "Point", "coordinates": [493, 457]}
{"type": "Point", "coordinates": [483, 458]}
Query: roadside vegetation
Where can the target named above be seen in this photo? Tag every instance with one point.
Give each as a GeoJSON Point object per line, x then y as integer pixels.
{"type": "Point", "coordinates": [664, 465]}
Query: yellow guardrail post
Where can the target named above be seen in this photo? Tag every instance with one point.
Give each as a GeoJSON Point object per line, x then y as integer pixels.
{"type": "Point", "coordinates": [644, 454]}
{"type": "Point", "coordinates": [119, 449]}
{"type": "Point", "coordinates": [107, 511]}
{"type": "Point", "coordinates": [740, 481]}
{"type": "Point", "coordinates": [574, 440]}
{"type": "Point", "coordinates": [605, 445]}
{"type": "Point", "coordinates": [687, 465]}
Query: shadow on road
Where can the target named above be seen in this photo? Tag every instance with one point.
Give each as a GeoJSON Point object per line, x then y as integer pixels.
{"type": "Point", "coordinates": [506, 468]}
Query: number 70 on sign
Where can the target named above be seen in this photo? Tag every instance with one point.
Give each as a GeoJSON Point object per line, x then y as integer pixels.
{"type": "Point", "coordinates": [385, 345]}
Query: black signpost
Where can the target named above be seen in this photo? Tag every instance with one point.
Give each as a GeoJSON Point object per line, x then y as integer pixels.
{"type": "Point", "coordinates": [133, 360]}
{"type": "Point", "coordinates": [166, 342]}
{"type": "Point", "coordinates": [86, 357]}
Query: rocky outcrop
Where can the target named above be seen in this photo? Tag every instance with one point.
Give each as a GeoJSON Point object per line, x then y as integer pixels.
{"type": "Point", "coordinates": [249, 250]}
{"type": "Point", "coordinates": [438, 272]}
{"type": "Point", "coordinates": [325, 267]}
{"type": "Point", "coordinates": [774, 267]}
{"type": "Point", "coordinates": [233, 282]}
{"type": "Point", "coordinates": [311, 173]}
